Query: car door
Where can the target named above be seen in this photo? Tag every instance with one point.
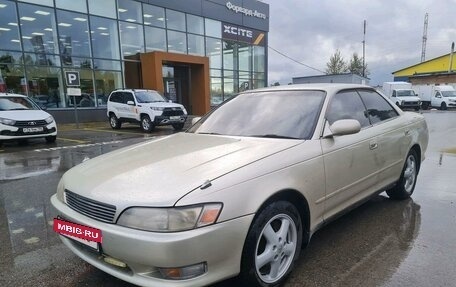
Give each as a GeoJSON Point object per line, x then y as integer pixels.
{"type": "Point", "coordinates": [129, 110]}
{"type": "Point", "coordinates": [114, 103]}
{"type": "Point", "coordinates": [351, 162]}
{"type": "Point", "coordinates": [436, 100]}
{"type": "Point", "coordinates": [393, 136]}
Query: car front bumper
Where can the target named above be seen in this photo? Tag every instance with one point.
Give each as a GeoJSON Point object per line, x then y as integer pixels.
{"type": "Point", "coordinates": [13, 132]}
{"type": "Point", "coordinates": [219, 246]}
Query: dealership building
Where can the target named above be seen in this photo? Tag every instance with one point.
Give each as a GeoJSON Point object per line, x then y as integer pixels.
{"type": "Point", "coordinates": [196, 52]}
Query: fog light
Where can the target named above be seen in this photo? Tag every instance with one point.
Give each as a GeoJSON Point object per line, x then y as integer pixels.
{"type": "Point", "coordinates": [114, 262]}
{"type": "Point", "coordinates": [182, 273]}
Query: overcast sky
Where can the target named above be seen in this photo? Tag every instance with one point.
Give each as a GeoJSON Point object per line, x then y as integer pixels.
{"type": "Point", "coordinates": [310, 31]}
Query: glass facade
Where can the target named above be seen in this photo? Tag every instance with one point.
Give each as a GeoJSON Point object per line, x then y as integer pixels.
{"type": "Point", "coordinates": [41, 39]}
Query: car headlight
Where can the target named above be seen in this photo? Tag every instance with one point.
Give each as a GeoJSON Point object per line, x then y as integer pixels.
{"type": "Point", "coordinates": [170, 219]}
{"type": "Point", "coordinates": [185, 111]}
{"type": "Point", "coordinates": [402, 102]}
{"type": "Point", "coordinates": [157, 108]}
{"type": "Point", "coordinates": [7, 122]}
{"type": "Point", "coordinates": [49, 120]}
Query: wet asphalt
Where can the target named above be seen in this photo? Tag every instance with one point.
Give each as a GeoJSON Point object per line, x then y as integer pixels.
{"type": "Point", "coordinates": [381, 243]}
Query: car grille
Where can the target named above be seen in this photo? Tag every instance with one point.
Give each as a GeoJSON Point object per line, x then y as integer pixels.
{"type": "Point", "coordinates": [411, 103]}
{"type": "Point", "coordinates": [94, 209]}
{"type": "Point", "coordinates": [169, 112]}
{"type": "Point", "coordinates": [21, 124]}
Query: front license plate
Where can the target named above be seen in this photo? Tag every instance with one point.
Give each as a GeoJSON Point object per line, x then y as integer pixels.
{"type": "Point", "coordinates": [86, 235]}
{"type": "Point", "coordinates": [174, 118]}
{"type": "Point", "coordinates": [32, 130]}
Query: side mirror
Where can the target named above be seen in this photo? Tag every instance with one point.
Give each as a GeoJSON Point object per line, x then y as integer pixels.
{"type": "Point", "coordinates": [43, 107]}
{"type": "Point", "coordinates": [130, 103]}
{"type": "Point", "coordinates": [345, 127]}
{"type": "Point", "coordinates": [438, 96]}
{"type": "Point", "coordinates": [170, 101]}
{"type": "Point", "coordinates": [195, 120]}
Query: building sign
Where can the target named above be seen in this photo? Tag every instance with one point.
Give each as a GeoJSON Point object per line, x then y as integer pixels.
{"type": "Point", "coordinates": [245, 11]}
{"type": "Point", "coordinates": [242, 34]}
{"type": "Point", "coordinates": [72, 79]}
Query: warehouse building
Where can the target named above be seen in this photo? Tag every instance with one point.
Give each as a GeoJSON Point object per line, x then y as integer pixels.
{"type": "Point", "coordinates": [196, 52]}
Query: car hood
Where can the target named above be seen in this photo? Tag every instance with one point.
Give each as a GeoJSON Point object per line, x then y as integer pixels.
{"type": "Point", "coordinates": [24, 115]}
{"type": "Point", "coordinates": [409, 98]}
{"type": "Point", "coordinates": [162, 105]}
{"type": "Point", "coordinates": [160, 172]}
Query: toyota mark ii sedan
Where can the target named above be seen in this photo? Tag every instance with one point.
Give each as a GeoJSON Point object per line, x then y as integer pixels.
{"type": "Point", "coordinates": [242, 191]}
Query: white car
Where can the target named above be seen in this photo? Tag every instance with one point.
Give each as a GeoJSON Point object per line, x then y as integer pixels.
{"type": "Point", "coordinates": [406, 99]}
{"type": "Point", "coordinates": [146, 107]}
{"type": "Point", "coordinates": [21, 118]}
{"type": "Point", "coordinates": [243, 190]}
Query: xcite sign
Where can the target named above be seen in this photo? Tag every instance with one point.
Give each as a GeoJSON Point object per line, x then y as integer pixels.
{"type": "Point", "coordinates": [242, 34]}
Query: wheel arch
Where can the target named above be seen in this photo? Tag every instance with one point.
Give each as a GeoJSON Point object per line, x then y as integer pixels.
{"type": "Point", "coordinates": [299, 201]}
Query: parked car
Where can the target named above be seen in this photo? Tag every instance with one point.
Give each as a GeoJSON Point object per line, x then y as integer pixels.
{"type": "Point", "coordinates": [22, 118]}
{"type": "Point", "coordinates": [243, 189]}
{"type": "Point", "coordinates": [402, 94]}
{"type": "Point", "coordinates": [146, 107]}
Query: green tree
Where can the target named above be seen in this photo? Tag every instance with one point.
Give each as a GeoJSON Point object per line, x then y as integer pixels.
{"type": "Point", "coordinates": [336, 64]}
{"type": "Point", "coordinates": [356, 66]}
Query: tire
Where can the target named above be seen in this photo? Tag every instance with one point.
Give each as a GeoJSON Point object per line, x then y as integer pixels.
{"type": "Point", "coordinates": [397, 104]}
{"type": "Point", "coordinates": [417, 108]}
{"type": "Point", "coordinates": [50, 139]}
{"type": "Point", "coordinates": [443, 106]}
{"type": "Point", "coordinates": [146, 124]}
{"type": "Point", "coordinates": [406, 183]}
{"type": "Point", "coordinates": [178, 127]}
{"type": "Point", "coordinates": [114, 122]}
{"type": "Point", "coordinates": [269, 252]}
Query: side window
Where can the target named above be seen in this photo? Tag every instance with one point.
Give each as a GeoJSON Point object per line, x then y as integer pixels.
{"type": "Point", "coordinates": [394, 94]}
{"type": "Point", "coordinates": [128, 97]}
{"type": "Point", "coordinates": [378, 108]}
{"type": "Point", "coordinates": [347, 105]}
{"type": "Point", "coordinates": [115, 98]}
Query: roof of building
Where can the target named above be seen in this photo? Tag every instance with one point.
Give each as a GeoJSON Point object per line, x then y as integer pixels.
{"type": "Point", "coordinates": [421, 63]}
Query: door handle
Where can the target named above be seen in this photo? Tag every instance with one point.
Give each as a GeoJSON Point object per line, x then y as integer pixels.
{"type": "Point", "coordinates": [407, 132]}
{"type": "Point", "coordinates": [373, 145]}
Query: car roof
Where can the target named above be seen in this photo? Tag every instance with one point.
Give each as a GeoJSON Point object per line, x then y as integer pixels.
{"type": "Point", "coordinates": [12, 95]}
{"type": "Point", "coordinates": [328, 87]}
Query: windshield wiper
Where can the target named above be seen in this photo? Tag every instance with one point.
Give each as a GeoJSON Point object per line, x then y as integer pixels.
{"type": "Point", "coordinates": [274, 136]}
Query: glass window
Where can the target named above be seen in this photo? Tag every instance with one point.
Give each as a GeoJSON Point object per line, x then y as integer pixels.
{"type": "Point", "coordinates": [245, 55]}
{"type": "Point", "coordinates": [87, 98]}
{"type": "Point", "coordinates": [106, 65]}
{"type": "Point", "coordinates": [129, 11]}
{"type": "Point", "coordinates": [258, 80]}
{"type": "Point", "coordinates": [9, 32]}
{"type": "Point", "coordinates": [213, 28]}
{"type": "Point", "coordinates": [105, 83]}
{"type": "Point", "coordinates": [12, 79]}
{"type": "Point", "coordinates": [195, 45]}
{"type": "Point", "coordinates": [40, 2]}
{"type": "Point", "coordinates": [216, 91]}
{"type": "Point", "coordinates": [45, 86]}
{"type": "Point", "coordinates": [175, 20]}
{"type": "Point", "coordinates": [214, 52]}
{"type": "Point", "coordinates": [177, 42]}
{"type": "Point", "coordinates": [7, 57]}
{"type": "Point", "coordinates": [72, 5]}
{"type": "Point", "coordinates": [259, 58]}
{"type": "Point", "coordinates": [347, 105]}
{"type": "Point", "coordinates": [72, 37]}
{"type": "Point", "coordinates": [215, 73]}
{"type": "Point", "coordinates": [105, 40]}
{"type": "Point", "coordinates": [41, 59]}
{"type": "Point", "coordinates": [154, 16]}
{"type": "Point", "coordinates": [230, 88]}
{"type": "Point", "coordinates": [195, 24]}
{"type": "Point", "coordinates": [230, 59]}
{"type": "Point", "coordinates": [39, 31]}
{"type": "Point", "coordinates": [377, 107]}
{"type": "Point", "coordinates": [105, 8]}
{"type": "Point", "coordinates": [77, 62]}
{"type": "Point", "coordinates": [132, 39]}
{"type": "Point", "coordinates": [155, 39]}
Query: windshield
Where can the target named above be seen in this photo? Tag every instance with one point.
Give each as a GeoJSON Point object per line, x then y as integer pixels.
{"type": "Point", "coordinates": [273, 114]}
{"type": "Point", "coordinates": [405, 93]}
{"type": "Point", "coordinates": [12, 103]}
{"type": "Point", "coordinates": [448, 93]}
{"type": "Point", "coordinates": [149, 97]}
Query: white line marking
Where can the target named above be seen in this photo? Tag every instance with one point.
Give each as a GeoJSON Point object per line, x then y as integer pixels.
{"type": "Point", "coordinates": [77, 146]}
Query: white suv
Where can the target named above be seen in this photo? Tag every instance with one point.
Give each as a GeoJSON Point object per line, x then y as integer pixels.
{"type": "Point", "coordinates": [146, 107]}
{"type": "Point", "coordinates": [21, 118]}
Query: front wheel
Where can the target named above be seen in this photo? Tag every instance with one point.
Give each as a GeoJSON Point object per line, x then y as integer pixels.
{"type": "Point", "coordinates": [50, 139]}
{"type": "Point", "coordinates": [178, 127]}
{"type": "Point", "coordinates": [272, 245]}
{"type": "Point", "coordinates": [146, 124]}
{"type": "Point", "coordinates": [114, 122]}
{"type": "Point", "coordinates": [406, 183]}
{"type": "Point", "coordinates": [443, 106]}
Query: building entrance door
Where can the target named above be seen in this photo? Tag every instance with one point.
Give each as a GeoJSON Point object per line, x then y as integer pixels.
{"type": "Point", "coordinates": [176, 83]}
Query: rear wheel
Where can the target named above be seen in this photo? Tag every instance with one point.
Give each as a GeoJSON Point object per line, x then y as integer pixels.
{"type": "Point", "coordinates": [114, 122]}
{"type": "Point", "coordinates": [443, 106]}
{"type": "Point", "coordinates": [50, 139]}
{"type": "Point", "coordinates": [146, 124]}
{"type": "Point", "coordinates": [178, 127]}
{"type": "Point", "coordinates": [272, 245]}
{"type": "Point", "coordinates": [406, 183]}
